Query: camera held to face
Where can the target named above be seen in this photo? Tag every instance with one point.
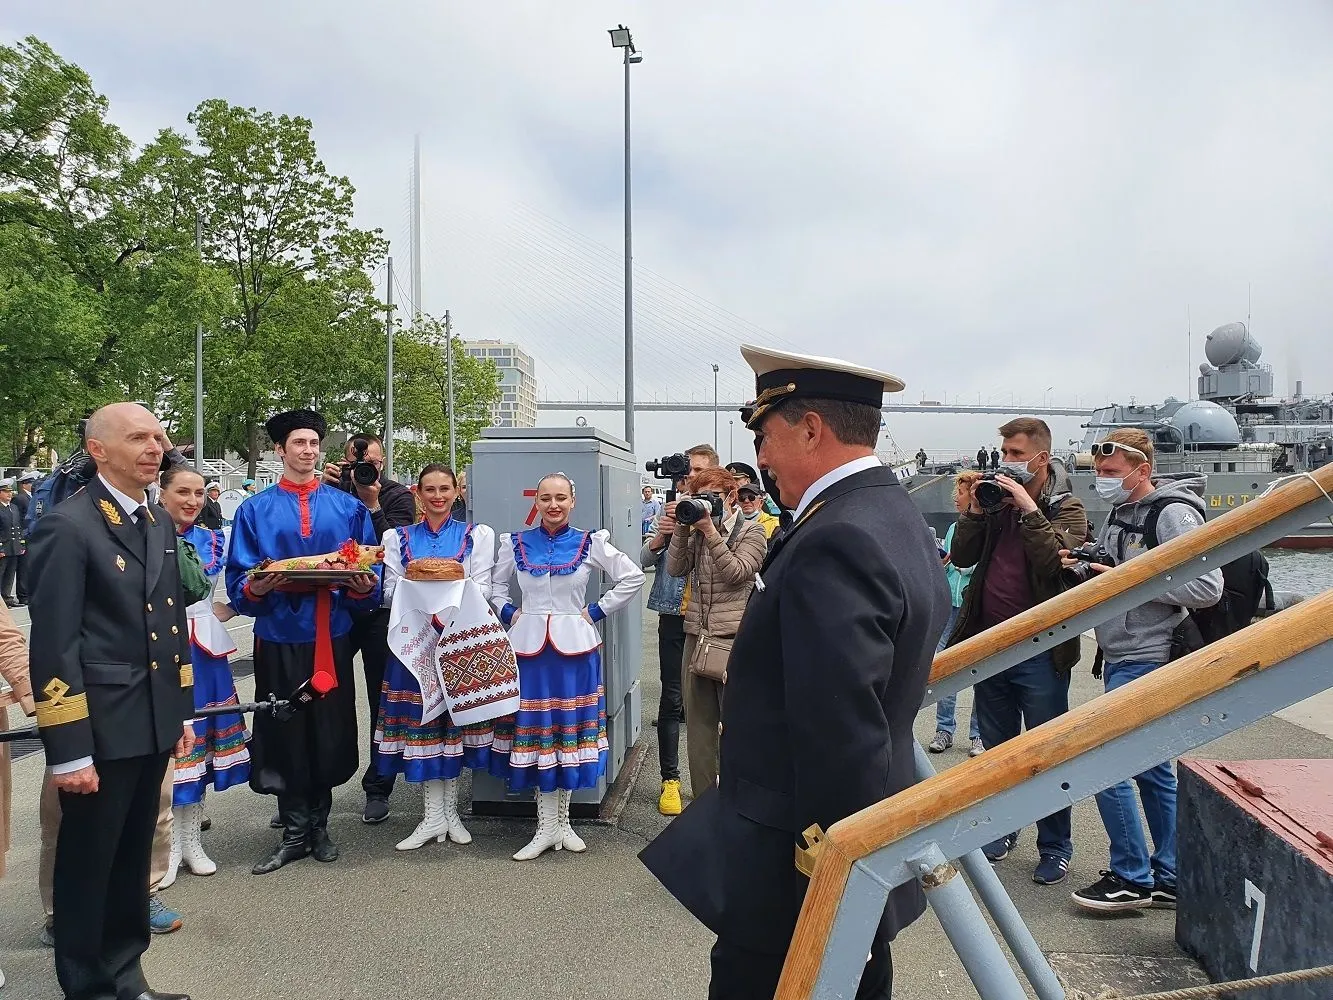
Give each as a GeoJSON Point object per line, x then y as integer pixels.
{"type": "Point", "coordinates": [358, 471]}
{"type": "Point", "coordinates": [690, 510]}
{"type": "Point", "coordinates": [1092, 552]}
{"type": "Point", "coordinates": [991, 496]}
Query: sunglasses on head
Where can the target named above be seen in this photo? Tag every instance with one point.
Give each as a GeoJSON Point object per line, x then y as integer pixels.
{"type": "Point", "coordinates": [1108, 448]}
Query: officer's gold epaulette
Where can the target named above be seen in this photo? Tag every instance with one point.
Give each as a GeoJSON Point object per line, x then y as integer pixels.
{"type": "Point", "coordinates": [60, 707]}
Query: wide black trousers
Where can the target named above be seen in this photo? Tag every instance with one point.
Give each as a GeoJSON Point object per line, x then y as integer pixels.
{"type": "Point", "coordinates": [742, 974]}
{"type": "Point", "coordinates": [315, 750]}
{"type": "Point", "coordinates": [100, 883]}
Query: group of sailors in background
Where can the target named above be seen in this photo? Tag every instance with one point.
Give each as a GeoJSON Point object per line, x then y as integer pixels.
{"type": "Point", "coordinates": [536, 580]}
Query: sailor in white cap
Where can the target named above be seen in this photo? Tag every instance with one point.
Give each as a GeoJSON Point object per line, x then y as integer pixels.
{"type": "Point", "coordinates": [211, 516]}
{"type": "Point", "coordinates": [826, 674]}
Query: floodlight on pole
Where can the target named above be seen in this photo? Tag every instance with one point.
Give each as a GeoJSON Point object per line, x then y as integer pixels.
{"type": "Point", "coordinates": [621, 39]}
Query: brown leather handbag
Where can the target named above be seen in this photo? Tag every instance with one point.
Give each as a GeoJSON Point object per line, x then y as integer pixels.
{"type": "Point", "coordinates": [712, 653]}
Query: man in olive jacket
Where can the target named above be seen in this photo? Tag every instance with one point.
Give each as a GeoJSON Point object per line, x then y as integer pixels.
{"type": "Point", "coordinates": [1015, 546]}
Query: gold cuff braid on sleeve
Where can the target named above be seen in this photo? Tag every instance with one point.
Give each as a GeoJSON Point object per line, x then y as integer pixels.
{"type": "Point", "coordinates": [187, 675]}
{"type": "Point", "coordinates": [60, 707]}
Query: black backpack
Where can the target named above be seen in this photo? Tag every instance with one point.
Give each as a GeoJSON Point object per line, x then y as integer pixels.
{"type": "Point", "coordinates": [1245, 583]}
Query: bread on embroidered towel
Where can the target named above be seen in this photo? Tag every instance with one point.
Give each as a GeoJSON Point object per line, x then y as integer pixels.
{"type": "Point", "coordinates": [449, 638]}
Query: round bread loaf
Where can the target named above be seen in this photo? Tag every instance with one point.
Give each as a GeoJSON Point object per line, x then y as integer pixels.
{"type": "Point", "coordinates": [432, 568]}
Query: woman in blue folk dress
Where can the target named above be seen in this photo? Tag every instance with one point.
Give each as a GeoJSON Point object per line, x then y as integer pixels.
{"type": "Point", "coordinates": [221, 756]}
{"type": "Point", "coordinates": [559, 740]}
{"type": "Point", "coordinates": [434, 754]}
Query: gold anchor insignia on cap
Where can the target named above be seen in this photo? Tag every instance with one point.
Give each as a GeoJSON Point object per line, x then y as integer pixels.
{"type": "Point", "coordinates": [120, 563]}
{"type": "Point", "coordinates": [110, 511]}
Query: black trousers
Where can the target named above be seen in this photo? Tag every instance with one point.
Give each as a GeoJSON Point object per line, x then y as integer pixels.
{"type": "Point", "coordinates": [370, 637]}
{"type": "Point", "coordinates": [742, 974]}
{"type": "Point", "coordinates": [101, 869]}
{"type": "Point", "coordinates": [22, 576]}
{"type": "Point", "coordinates": [670, 710]}
{"type": "Point", "coordinates": [9, 569]}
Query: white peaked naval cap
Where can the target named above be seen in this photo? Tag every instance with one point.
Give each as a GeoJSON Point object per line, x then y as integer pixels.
{"type": "Point", "coordinates": [780, 375]}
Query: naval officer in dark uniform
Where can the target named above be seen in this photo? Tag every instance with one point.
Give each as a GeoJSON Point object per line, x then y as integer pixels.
{"type": "Point", "coordinates": [110, 665]}
{"type": "Point", "coordinates": [827, 672]}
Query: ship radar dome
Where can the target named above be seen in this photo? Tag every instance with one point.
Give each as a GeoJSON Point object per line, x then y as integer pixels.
{"type": "Point", "coordinates": [1206, 424]}
{"type": "Point", "coordinates": [1232, 344]}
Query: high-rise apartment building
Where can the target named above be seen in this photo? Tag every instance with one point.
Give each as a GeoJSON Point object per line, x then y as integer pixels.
{"type": "Point", "coordinates": [518, 383]}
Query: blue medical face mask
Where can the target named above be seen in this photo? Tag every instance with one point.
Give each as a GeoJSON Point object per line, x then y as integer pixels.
{"type": "Point", "coordinates": [1111, 489]}
{"type": "Point", "coordinates": [1018, 472]}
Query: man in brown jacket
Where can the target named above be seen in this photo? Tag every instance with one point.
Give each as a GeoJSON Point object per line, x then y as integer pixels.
{"type": "Point", "coordinates": [720, 556]}
{"type": "Point", "coordinates": [1015, 546]}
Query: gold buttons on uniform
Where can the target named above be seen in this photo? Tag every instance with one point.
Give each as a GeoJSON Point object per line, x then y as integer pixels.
{"type": "Point", "coordinates": [175, 630]}
{"type": "Point", "coordinates": [171, 603]}
{"type": "Point", "coordinates": [153, 636]}
{"type": "Point", "coordinates": [150, 609]}
{"type": "Point", "coordinates": [176, 658]}
{"type": "Point", "coordinates": [153, 664]}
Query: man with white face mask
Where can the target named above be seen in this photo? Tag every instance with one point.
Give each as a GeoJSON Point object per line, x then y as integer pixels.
{"type": "Point", "coordinates": [1013, 531]}
{"type": "Point", "coordinates": [1143, 514]}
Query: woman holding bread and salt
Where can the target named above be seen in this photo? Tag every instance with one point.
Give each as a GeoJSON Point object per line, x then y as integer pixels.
{"type": "Point", "coordinates": [559, 742]}
{"type": "Point", "coordinates": [418, 736]}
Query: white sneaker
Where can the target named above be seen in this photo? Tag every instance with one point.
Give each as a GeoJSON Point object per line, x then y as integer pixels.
{"type": "Point", "coordinates": [978, 748]}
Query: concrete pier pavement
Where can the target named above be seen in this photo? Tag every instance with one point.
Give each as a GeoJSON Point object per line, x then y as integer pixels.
{"type": "Point", "coordinates": [472, 924]}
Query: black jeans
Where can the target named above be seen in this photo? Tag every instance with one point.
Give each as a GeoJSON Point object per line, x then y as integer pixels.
{"type": "Point", "coordinates": [670, 711]}
{"type": "Point", "coordinates": [370, 637]}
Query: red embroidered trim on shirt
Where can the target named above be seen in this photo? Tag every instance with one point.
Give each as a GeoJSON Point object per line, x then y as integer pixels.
{"type": "Point", "coordinates": [302, 491]}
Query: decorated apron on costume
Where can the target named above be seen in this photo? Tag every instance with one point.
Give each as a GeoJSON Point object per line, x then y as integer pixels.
{"type": "Point", "coordinates": [220, 757]}
{"type": "Point", "coordinates": [451, 672]}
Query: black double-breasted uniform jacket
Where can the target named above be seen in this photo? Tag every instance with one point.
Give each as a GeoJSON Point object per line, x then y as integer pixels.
{"type": "Point", "coordinates": [11, 530]}
{"type": "Point", "coordinates": [826, 675]}
{"type": "Point", "coordinates": [110, 649]}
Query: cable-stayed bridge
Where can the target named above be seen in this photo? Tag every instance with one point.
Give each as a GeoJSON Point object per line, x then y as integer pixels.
{"type": "Point", "coordinates": [517, 275]}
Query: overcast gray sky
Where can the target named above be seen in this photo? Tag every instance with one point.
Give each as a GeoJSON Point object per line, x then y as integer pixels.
{"type": "Point", "coordinates": [982, 198]}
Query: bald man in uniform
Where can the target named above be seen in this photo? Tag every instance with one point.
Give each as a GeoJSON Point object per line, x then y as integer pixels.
{"type": "Point", "coordinates": [110, 666]}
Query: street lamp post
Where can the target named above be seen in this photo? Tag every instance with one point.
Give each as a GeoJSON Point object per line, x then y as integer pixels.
{"type": "Point", "coordinates": [731, 440]}
{"type": "Point", "coordinates": [621, 39]}
{"type": "Point", "coordinates": [715, 445]}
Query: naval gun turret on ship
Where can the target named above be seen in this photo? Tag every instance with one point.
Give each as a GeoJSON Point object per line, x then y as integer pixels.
{"type": "Point", "coordinates": [1236, 434]}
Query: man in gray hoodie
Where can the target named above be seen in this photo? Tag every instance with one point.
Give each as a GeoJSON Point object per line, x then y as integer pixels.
{"type": "Point", "coordinates": [1135, 644]}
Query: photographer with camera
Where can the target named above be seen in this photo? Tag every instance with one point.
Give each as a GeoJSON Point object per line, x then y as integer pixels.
{"type": "Point", "coordinates": [391, 505]}
{"type": "Point", "coordinates": [1016, 523]}
{"type": "Point", "coordinates": [720, 552]}
{"type": "Point", "coordinates": [668, 598]}
{"type": "Point", "coordinates": [1144, 514]}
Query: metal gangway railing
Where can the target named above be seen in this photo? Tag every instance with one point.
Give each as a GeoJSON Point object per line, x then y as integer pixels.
{"type": "Point", "coordinates": [920, 832]}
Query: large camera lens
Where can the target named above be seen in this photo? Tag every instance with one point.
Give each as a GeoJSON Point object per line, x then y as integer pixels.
{"type": "Point", "coordinates": [690, 509]}
{"type": "Point", "coordinates": [365, 474]}
{"type": "Point", "coordinates": [990, 495]}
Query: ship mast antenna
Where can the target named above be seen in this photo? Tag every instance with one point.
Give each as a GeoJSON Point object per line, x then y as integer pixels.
{"type": "Point", "coordinates": [1189, 358]}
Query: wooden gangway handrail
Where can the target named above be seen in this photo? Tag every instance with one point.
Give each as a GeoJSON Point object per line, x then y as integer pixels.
{"type": "Point", "coordinates": [1118, 713]}
{"type": "Point", "coordinates": [1168, 556]}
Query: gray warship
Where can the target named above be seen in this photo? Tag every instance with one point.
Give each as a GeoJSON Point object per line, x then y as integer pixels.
{"type": "Point", "coordinates": [1236, 433]}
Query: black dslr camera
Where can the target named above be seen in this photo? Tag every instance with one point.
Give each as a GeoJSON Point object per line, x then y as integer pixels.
{"type": "Point", "coordinates": [696, 508]}
{"type": "Point", "coordinates": [359, 472]}
{"type": "Point", "coordinates": [991, 496]}
{"type": "Point", "coordinates": [673, 468]}
{"type": "Point", "coordinates": [1092, 553]}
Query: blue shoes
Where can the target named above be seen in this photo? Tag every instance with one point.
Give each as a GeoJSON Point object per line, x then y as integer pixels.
{"type": "Point", "coordinates": [162, 920]}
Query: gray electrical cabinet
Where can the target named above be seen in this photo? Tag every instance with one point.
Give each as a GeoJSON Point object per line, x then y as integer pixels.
{"type": "Point", "coordinates": [507, 464]}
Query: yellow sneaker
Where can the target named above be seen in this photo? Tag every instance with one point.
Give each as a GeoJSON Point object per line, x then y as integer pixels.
{"type": "Point", "coordinates": [668, 803]}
